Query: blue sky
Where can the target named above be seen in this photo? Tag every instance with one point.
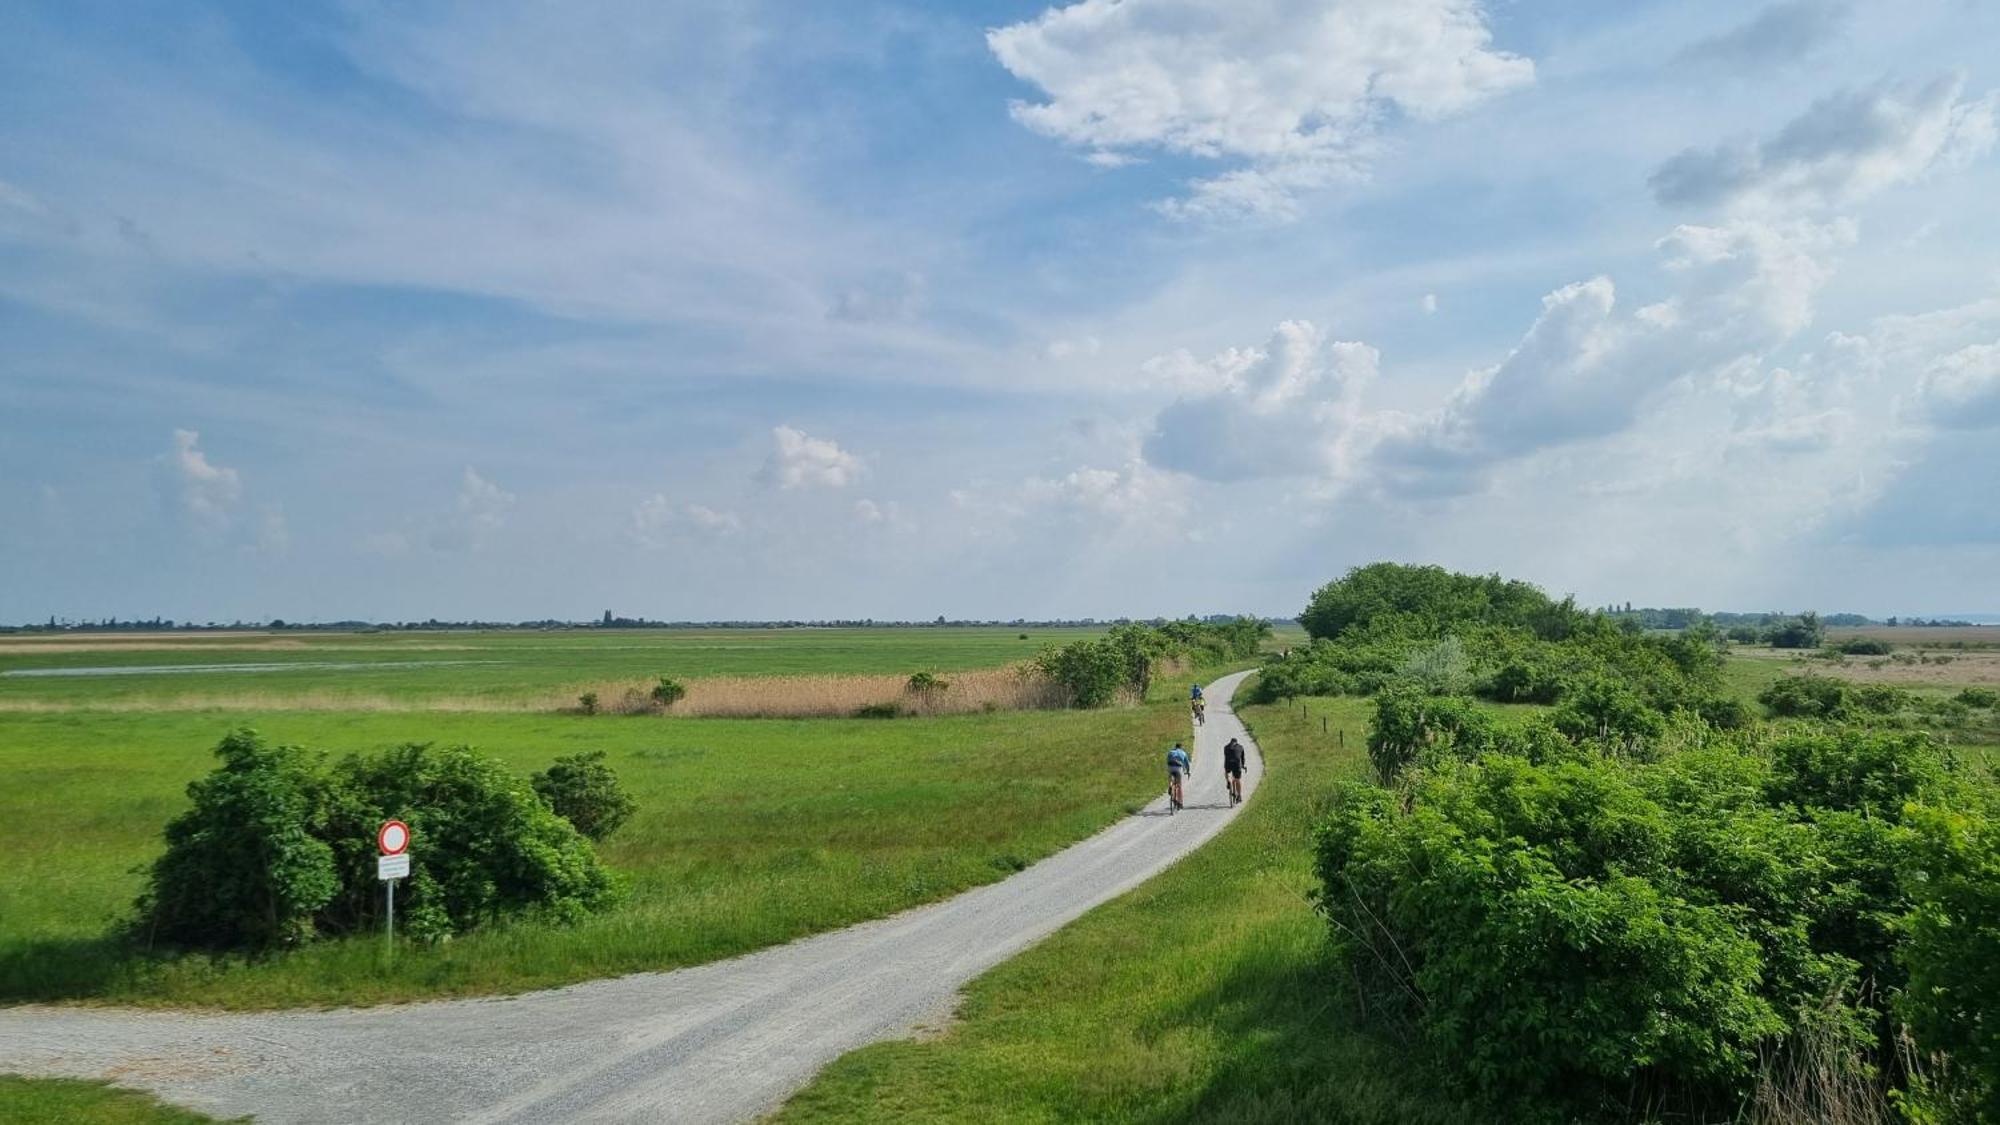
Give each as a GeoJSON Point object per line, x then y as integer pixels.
{"type": "Point", "coordinates": [896, 309]}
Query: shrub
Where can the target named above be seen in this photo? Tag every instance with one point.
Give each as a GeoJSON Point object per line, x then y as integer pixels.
{"type": "Point", "coordinates": [1866, 646]}
{"type": "Point", "coordinates": [925, 683]}
{"type": "Point", "coordinates": [1412, 725]}
{"type": "Point", "coordinates": [1604, 708]}
{"type": "Point", "coordinates": [245, 865]}
{"type": "Point", "coordinates": [1979, 697]}
{"type": "Point", "coordinates": [1953, 956]}
{"type": "Point", "coordinates": [278, 849]}
{"type": "Point", "coordinates": [484, 846]}
{"type": "Point", "coordinates": [1583, 936]}
{"type": "Point", "coordinates": [587, 702]}
{"type": "Point", "coordinates": [878, 711]}
{"type": "Point", "coordinates": [1440, 669]}
{"type": "Point", "coordinates": [1806, 697]}
{"type": "Point", "coordinates": [668, 692]}
{"type": "Point", "coordinates": [586, 792]}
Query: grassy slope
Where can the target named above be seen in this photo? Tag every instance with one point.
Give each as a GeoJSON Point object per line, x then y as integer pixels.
{"type": "Point", "coordinates": [750, 832]}
{"type": "Point", "coordinates": [61, 1101]}
{"type": "Point", "coordinates": [413, 667]}
{"type": "Point", "coordinates": [1200, 996]}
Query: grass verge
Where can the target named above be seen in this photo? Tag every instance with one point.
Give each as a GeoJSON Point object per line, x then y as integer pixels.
{"type": "Point", "coordinates": [1202, 996]}
{"type": "Point", "coordinates": [749, 833]}
{"type": "Point", "coordinates": [64, 1101]}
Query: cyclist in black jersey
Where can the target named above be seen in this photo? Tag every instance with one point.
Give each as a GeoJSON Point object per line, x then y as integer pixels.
{"type": "Point", "coordinates": [1232, 767]}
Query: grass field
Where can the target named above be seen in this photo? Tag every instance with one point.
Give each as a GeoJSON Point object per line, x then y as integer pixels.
{"type": "Point", "coordinates": [1201, 996]}
{"type": "Point", "coordinates": [61, 1101]}
{"type": "Point", "coordinates": [749, 832]}
{"type": "Point", "coordinates": [472, 669]}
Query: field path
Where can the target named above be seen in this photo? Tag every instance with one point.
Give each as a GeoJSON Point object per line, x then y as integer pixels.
{"type": "Point", "coordinates": [712, 1043]}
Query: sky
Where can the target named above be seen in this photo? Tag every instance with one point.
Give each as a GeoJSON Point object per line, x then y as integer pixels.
{"type": "Point", "coordinates": [759, 309]}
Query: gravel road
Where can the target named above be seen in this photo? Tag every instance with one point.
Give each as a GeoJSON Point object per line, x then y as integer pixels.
{"type": "Point", "coordinates": [720, 1042]}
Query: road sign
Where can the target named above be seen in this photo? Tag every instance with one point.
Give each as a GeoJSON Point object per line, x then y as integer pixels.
{"type": "Point", "coordinates": [392, 866]}
{"type": "Point", "coordinates": [393, 838]}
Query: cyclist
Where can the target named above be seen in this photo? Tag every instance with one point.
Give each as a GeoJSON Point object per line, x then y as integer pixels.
{"type": "Point", "coordinates": [1194, 691]}
{"type": "Point", "coordinates": [1200, 709]}
{"type": "Point", "coordinates": [1178, 766]}
{"type": "Point", "coordinates": [1232, 767]}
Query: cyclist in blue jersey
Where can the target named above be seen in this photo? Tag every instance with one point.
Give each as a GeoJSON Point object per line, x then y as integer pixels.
{"type": "Point", "coordinates": [1179, 765]}
{"type": "Point", "coordinates": [1194, 691]}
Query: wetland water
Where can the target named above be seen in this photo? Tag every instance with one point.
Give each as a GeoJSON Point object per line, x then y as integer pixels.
{"type": "Point", "coordinates": [190, 669]}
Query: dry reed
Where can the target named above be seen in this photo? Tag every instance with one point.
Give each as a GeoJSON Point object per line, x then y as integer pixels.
{"type": "Point", "coordinates": [828, 696]}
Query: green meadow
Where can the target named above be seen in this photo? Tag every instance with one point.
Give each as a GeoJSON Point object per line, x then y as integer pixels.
{"type": "Point", "coordinates": [417, 668]}
{"type": "Point", "coordinates": [748, 832]}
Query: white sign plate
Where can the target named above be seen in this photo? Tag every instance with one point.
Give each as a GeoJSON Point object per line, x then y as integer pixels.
{"type": "Point", "coordinates": [392, 866]}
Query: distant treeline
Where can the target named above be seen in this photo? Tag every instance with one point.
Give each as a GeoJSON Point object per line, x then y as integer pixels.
{"type": "Point", "coordinates": [608, 621]}
{"type": "Point", "coordinates": [1649, 617]}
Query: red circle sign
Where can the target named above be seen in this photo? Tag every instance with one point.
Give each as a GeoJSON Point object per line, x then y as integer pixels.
{"type": "Point", "coordinates": [393, 837]}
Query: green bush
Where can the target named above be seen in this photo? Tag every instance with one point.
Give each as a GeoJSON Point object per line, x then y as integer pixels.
{"type": "Point", "coordinates": [1803, 631]}
{"type": "Point", "coordinates": [668, 692]}
{"type": "Point", "coordinates": [1807, 697]}
{"type": "Point", "coordinates": [483, 845]}
{"type": "Point", "coordinates": [1096, 671]}
{"type": "Point", "coordinates": [925, 683]}
{"type": "Point", "coordinates": [1953, 955]}
{"type": "Point", "coordinates": [278, 849]}
{"type": "Point", "coordinates": [878, 711]}
{"type": "Point", "coordinates": [1866, 646]}
{"type": "Point", "coordinates": [1580, 936]}
{"type": "Point", "coordinates": [1978, 697]}
{"type": "Point", "coordinates": [586, 792]}
{"type": "Point", "coordinates": [587, 703]}
{"type": "Point", "coordinates": [246, 866]}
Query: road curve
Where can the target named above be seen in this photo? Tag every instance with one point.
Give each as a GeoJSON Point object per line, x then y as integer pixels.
{"type": "Point", "coordinates": [713, 1043]}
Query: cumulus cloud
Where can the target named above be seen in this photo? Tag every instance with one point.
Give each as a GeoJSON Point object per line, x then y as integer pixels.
{"type": "Point", "coordinates": [1286, 409]}
{"type": "Point", "coordinates": [1293, 91]}
{"type": "Point", "coordinates": [803, 461]}
{"type": "Point", "coordinates": [1779, 33]}
{"type": "Point", "coordinates": [1962, 390]}
{"type": "Point", "coordinates": [1429, 304]}
{"type": "Point", "coordinates": [1845, 147]}
{"type": "Point", "coordinates": [207, 492]}
{"type": "Point", "coordinates": [481, 511]}
{"type": "Point", "coordinates": [659, 522]}
{"type": "Point", "coordinates": [1585, 368]}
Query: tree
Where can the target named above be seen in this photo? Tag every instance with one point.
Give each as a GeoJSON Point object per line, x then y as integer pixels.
{"type": "Point", "coordinates": [1804, 631]}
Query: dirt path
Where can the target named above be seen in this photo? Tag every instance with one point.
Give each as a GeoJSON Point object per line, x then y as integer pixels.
{"type": "Point", "coordinates": [720, 1042]}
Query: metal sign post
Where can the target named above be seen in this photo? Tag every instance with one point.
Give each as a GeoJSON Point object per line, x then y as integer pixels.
{"type": "Point", "coordinates": [393, 840]}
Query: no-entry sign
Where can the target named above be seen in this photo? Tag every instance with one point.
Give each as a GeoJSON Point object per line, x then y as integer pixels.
{"type": "Point", "coordinates": [393, 837]}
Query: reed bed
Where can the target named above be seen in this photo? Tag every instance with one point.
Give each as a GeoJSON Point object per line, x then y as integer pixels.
{"type": "Point", "coordinates": [835, 696]}
{"type": "Point", "coordinates": [1015, 688]}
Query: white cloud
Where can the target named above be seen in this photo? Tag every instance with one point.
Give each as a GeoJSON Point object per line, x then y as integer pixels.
{"type": "Point", "coordinates": [1134, 493]}
{"type": "Point", "coordinates": [1083, 347]}
{"type": "Point", "coordinates": [481, 511]}
{"type": "Point", "coordinates": [1846, 147]}
{"type": "Point", "coordinates": [801, 461]}
{"type": "Point", "coordinates": [659, 522]}
{"type": "Point", "coordinates": [1294, 90]}
{"type": "Point", "coordinates": [1286, 409]}
{"type": "Point", "coordinates": [1429, 303]}
{"type": "Point", "coordinates": [208, 492]}
{"type": "Point", "coordinates": [1963, 389]}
